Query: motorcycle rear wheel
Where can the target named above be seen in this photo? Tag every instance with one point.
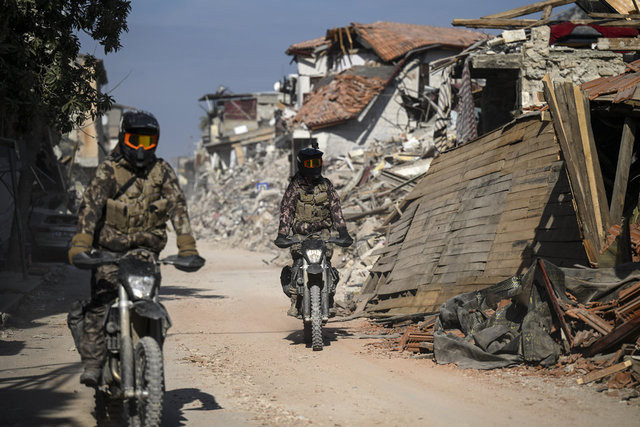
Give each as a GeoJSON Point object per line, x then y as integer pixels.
{"type": "Point", "coordinates": [146, 411]}
{"type": "Point", "coordinates": [316, 319]}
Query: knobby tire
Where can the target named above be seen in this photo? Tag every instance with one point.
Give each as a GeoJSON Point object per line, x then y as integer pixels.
{"type": "Point", "coordinates": [149, 376]}
{"type": "Point", "coordinates": [316, 319]}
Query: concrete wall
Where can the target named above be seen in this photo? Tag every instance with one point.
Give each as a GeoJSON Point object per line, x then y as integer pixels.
{"type": "Point", "coordinates": [562, 63]}
{"type": "Point", "coordinates": [383, 119]}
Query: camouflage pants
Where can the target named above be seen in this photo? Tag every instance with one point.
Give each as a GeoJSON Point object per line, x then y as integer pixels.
{"type": "Point", "coordinates": [104, 290]}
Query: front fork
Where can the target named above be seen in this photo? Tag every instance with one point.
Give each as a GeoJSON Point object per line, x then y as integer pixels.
{"type": "Point", "coordinates": [325, 289]}
{"type": "Point", "coordinates": [126, 344]}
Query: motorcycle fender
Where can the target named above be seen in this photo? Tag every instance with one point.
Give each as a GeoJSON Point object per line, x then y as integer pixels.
{"type": "Point", "coordinates": [150, 310]}
{"type": "Point", "coordinates": [314, 269]}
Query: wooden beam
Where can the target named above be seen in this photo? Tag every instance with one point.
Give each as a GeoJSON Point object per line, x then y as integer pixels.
{"type": "Point", "coordinates": [622, 170]}
{"type": "Point", "coordinates": [597, 15]}
{"type": "Point", "coordinates": [494, 23]}
{"type": "Point", "coordinates": [594, 172]}
{"type": "Point", "coordinates": [563, 130]}
{"type": "Point", "coordinates": [627, 43]}
{"type": "Point", "coordinates": [634, 23]}
{"type": "Point", "coordinates": [546, 12]}
{"type": "Point", "coordinates": [531, 8]}
{"type": "Point", "coordinates": [596, 375]}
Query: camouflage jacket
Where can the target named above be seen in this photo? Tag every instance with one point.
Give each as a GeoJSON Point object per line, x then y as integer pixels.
{"type": "Point", "coordinates": [288, 224]}
{"type": "Point", "coordinates": [104, 187]}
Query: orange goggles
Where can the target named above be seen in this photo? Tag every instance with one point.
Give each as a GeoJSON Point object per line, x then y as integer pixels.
{"type": "Point", "coordinates": [312, 163]}
{"type": "Point", "coordinates": [136, 140]}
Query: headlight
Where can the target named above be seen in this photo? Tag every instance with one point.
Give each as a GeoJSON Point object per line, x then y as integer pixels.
{"type": "Point", "coordinates": [141, 286]}
{"type": "Point", "coordinates": [314, 255]}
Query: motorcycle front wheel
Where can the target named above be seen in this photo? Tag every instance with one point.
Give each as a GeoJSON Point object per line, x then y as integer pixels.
{"type": "Point", "coordinates": [146, 409]}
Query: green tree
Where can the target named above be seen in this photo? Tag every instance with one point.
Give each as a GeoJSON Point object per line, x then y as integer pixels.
{"type": "Point", "coordinates": [44, 83]}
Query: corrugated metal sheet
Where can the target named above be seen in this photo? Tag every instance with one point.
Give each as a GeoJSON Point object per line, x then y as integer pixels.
{"type": "Point", "coordinates": [622, 86]}
{"type": "Point", "coordinates": [391, 40]}
{"type": "Point", "coordinates": [622, 6]}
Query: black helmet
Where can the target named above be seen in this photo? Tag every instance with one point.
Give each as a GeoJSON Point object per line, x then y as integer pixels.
{"type": "Point", "coordinates": [138, 137]}
{"type": "Point", "coordinates": [309, 162]}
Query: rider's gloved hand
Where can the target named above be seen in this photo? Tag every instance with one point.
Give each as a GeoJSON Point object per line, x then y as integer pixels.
{"type": "Point", "coordinates": [345, 237]}
{"type": "Point", "coordinates": [281, 241]}
{"type": "Point", "coordinates": [186, 245]}
{"type": "Point", "coordinates": [80, 243]}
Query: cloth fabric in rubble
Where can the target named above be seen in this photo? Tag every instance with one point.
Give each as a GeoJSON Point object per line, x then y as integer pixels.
{"type": "Point", "coordinates": [520, 331]}
{"type": "Point", "coordinates": [466, 127]}
{"type": "Point", "coordinates": [443, 112]}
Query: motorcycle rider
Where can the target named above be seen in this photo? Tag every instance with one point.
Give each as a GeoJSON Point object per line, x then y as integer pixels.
{"type": "Point", "coordinates": [126, 206]}
{"type": "Point", "coordinates": [309, 205]}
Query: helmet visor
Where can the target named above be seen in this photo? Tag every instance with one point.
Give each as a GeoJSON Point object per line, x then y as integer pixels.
{"type": "Point", "coordinates": [312, 163]}
{"type": "Point", "coordinates": [136, 140]}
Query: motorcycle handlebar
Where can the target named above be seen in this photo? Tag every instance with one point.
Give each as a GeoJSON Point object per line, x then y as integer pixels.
{"type": "Point", "coordinates": [288, 242]}
{"type": "Point", "coordinates": [89, 260]}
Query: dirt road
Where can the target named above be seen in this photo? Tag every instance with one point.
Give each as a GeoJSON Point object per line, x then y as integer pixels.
{"type": "Point", "coordinates": [234, 358]}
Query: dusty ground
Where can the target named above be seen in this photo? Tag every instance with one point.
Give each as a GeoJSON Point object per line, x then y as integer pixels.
{"type": "Point", "coordinates": [234, 358]}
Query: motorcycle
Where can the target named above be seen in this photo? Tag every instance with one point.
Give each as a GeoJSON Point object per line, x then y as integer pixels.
{"type": "Point", "coordinates": [315, 284]}
{"type": "Point", "coordinates": [131, 388]}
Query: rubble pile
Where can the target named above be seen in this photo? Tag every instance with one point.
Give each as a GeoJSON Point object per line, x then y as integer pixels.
{"type": "Point", "coordinates": [241, 207]}
{"type": "Point", "coordinates": [561, 324]}
{"type": "Point", "coordinates": [371, 182]}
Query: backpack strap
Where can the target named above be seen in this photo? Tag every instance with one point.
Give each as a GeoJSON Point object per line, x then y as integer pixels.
{"type": "Point", "coordinates": [125, 187]}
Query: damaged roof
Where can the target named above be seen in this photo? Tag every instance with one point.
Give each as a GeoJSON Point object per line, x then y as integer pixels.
{"type": "Point", "coordinates": [391, 40]}
{"type": "Point", "coordinates": [306, 48]}
{"type": "Point", "coordinates": [343, 97]}
{"type": "Point", "coordinates": [618, 88]}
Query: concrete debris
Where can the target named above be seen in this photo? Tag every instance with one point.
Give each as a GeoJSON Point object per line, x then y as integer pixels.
{"type": "Point", "coordinates": [240, 207]}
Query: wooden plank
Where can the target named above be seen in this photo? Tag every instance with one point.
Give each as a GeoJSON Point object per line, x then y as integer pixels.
{"type": "Point", "coordinates": [495, 23]}
{"type": "Point", "coordinates": [529, 9]}
{"type": "Point", "coordinates": [589, 214]}
{"type": "Point", "coordinates": [572, 164]}
{"type": "Point", "coordinates": [622, 170]}
{"type": "Point", "coordinates": [619, 44]}
{"type": "Point", "coordinates": [594, 172]}
{"type": "Point", "coordinates": [596, 375]}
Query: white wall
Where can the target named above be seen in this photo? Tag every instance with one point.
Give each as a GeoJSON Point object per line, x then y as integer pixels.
{"type": "Point", "coordinates": [384, 119]}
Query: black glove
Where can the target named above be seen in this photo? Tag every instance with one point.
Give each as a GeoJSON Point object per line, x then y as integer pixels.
{"type": "Point", "coordinates": [347, 240]}
{"type": "Point", "coordinates": [281, 241]}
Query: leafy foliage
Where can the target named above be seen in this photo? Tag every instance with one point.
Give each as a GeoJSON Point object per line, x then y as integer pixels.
{"type": "Point", "coordinates": [41, 71]}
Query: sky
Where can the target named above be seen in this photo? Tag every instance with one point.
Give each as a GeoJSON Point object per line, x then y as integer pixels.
{"type": "Point", "coordinates": [178, 50]}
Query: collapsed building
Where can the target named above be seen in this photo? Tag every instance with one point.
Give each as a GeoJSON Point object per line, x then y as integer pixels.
{"type": "Point", "coordinates": [367, 82]}
{"type": "Point", "coordinates": [519, 241]}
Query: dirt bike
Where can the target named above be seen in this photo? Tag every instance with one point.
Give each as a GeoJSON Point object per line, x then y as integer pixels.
{"type": "Point", "coordinates": [315, 284]}
{"type": "Point", "coordinates": [131, 389]}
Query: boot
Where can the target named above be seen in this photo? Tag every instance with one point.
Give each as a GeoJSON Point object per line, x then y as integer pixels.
{"type": "Point", "coordinates": [90, 376]}
{"type": "Point", "coordinates": [293, 310]}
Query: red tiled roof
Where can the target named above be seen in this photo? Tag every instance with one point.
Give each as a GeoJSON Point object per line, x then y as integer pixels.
{"type": "Point", "coordinates": [342, 99]}
{"type": "Point", "coordinates": [623, 86]}
{"type": "Point", "coordinates": [309, 46]}
{"type": "Point", "coordinates": [391, 40]}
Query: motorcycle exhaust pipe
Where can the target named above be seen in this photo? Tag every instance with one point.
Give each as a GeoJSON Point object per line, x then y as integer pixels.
{"type": "Point", "coordinates": [126, 345]}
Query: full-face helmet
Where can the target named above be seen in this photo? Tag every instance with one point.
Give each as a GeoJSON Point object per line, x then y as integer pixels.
{"type": "Point", "coordinates": [138, 137]}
